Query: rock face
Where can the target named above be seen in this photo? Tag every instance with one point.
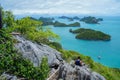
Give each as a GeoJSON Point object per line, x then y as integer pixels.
{"type": "Point", "coordinates": [36, 52]}
{"type": "Point", "coordinates": [66, 71]}
{"type": "Point", "coordinates": [5, 76]}
{"type": "Point", "coordinates": [73, 72]}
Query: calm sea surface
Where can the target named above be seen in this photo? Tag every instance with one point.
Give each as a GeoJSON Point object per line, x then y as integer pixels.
{"type": "Point", "coordinates": [108, 50]}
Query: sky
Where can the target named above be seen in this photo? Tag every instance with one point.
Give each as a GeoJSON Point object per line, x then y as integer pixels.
{"type": "Point", "coordinates": [83, 7]}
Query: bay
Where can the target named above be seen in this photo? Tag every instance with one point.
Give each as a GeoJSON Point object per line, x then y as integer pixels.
{"type": "Point", "coordinates": [108, 50]}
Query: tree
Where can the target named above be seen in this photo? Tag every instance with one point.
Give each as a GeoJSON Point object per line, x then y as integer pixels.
{"type": "Point", "coordinates": [0, 17]}
{"type": "Point", "coordinates": [8, 19]}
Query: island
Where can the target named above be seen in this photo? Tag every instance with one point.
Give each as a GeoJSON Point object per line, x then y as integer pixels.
{"type": "Point", "coordinates": [70, 18]}
{"type": "Point", "coordinates": [76, 18]}
{"type": "Point", "coordinates": [60, 24]}
{"type": "Point", "coordinates": [64, 17]}
{"type": "Point", "coordinates": [51, 21]}
{"type": "Point", "coordinates": [89, 34]}
{"type": "Point", "coordinates": [91, 20]}
{"type": "Point", "coordinates": [46, 20]}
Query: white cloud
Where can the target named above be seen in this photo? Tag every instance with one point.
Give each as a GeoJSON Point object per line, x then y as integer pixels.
{"type": "Point", "coordinates": [100, 7]}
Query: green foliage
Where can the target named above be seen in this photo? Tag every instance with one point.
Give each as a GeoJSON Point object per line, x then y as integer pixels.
{"type": "Point", "coordinates": [89, 34]}
{"type": "Point", "coordinates": [33, 30]}
{"type": "Point", "coordinates": [13, 63]}
{"type": "Point", "coordinates": [74, 24]}
{"type": "Point", "coordinates": [55, 45]}
{"type": "Point", "coordinates": [8, 19]}
{"type": "Point", "coordinates": [26, 24]}
{"type": "Point", "coordinates": [59, 24]}
{"type": "Point", "coordinates": [44, 68]}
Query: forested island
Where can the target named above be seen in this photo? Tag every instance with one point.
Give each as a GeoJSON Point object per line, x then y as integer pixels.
{"type": "Point", "coordinates": [59, 24]}
{"type": "Point", "coordinates": [89, 34]}
{"type": "Point", "coordinates": [46, 20]}
{"type": "Point", "coordinates": [70, 18]}
{"type": "Point", "coordinates": [50, 21]}
{"type": "Point", "coordinates": [91, 20]}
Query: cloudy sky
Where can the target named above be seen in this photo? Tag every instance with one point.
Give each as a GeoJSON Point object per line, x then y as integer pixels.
{"type": "Point", "coordinates": [97, 7]}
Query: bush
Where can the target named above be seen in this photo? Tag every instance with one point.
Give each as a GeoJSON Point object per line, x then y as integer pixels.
{"type": "Point", "coordinates": [55, 45]}
{"type": "Point", "coordinates": [13, 63]}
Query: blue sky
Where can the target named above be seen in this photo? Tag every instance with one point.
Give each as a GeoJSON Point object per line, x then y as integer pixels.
{"type": "Point", "coordinates": [97, 7]}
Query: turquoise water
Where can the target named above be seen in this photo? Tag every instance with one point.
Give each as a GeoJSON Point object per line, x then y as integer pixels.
{"type": "Point", "coordinates": [108, 50]}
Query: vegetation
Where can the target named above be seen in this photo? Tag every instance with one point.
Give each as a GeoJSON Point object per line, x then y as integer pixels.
{"type": "Point", "coordinates": [91, 20]}
{"type": "Point", "coordinates": [59, 24]}
{"type": "Point", "coordinates": [55, 45]}
{"type": "Point", "coordinates": [12, 62]}
{"type": "Point", "coordinates": [0, 17]}
{"type": "Point", "coordinates": [32, 30]}
{"type": "Point", "coordinates": [70, 18]}
{"type": "Point", "coordinates": [89, 34]}
{"type": "Point", "coordinates": [76, 24]}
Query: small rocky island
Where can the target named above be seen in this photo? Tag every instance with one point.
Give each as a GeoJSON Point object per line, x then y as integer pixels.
{"type": "Point", "coordinates": [60, 24]}
{"type": "Point", "coordinates": [91, 20]}
{"type": "Point", "coordinates": [89, 34]}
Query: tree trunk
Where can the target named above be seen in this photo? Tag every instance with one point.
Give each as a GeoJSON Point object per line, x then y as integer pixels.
{"type": "Point", "coordinates": [0, 17]}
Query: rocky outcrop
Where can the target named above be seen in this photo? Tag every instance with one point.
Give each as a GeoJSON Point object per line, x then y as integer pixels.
{"type": "Point", "coordinates": [65, 71]}
{"type": "Point", "coordinates": [35, 52]}
{"type": "Point", "coordinates": [73, 72]}
{"type": "Point", "coordinates": [5, 76]}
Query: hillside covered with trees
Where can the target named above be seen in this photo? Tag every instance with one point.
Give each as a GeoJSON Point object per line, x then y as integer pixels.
{"type": "Point", "coordinates": [91, 20]}
{"type": "Point", "coordinates": [89, 34]}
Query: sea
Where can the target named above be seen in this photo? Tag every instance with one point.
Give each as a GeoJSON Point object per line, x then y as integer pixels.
{"type": "Point", "coordinates": [108, 51]}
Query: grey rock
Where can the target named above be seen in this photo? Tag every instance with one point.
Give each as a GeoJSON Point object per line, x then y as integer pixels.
{"type": "Point", "coordinates": [35, 52]}
{"type": "Point", "coordinates": [5, 76]}
{"type": "Point", "coordinates": [68, 72]}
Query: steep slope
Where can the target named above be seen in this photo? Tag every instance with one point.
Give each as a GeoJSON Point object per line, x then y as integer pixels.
{"type": "Point", "coordinates": [35, 52]}
{"type": "Point", "coordinates": [66, 71]}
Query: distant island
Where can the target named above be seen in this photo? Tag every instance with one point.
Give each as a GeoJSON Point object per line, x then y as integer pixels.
{"type": "Point", "coordinates": [70, 18]}
{"type": "Point", "coordinates": [46, 20]}
{"type": "Point", "coordinates": [49, 21]}
{"type": "Point", "coordinates": [64, 17]}
{"type": "Point", "coordinates": [91, 20]}
{"type": "Point", "coordinates": [89, 34]}
{"type": "Point", "coordinates": [59, 24]}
